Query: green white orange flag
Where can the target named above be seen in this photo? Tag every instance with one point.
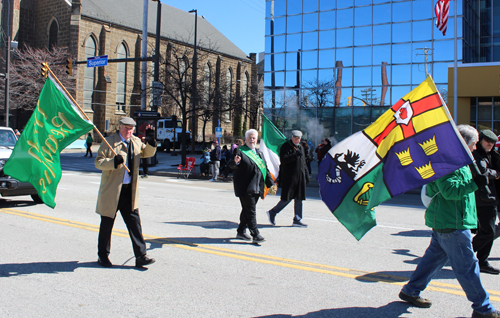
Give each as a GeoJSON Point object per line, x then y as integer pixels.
{"type": "Point", "coordinates": [56, 122]}
{"type": "Point", "coordinates": [270, 145]}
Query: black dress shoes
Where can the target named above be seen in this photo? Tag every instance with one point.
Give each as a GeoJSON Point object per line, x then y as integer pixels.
{"type": "Point", "coordinates": [487, 268]}
{"type": "Point", "coordinates": [143, 261]}
{"type": "Point", "coordinates": [104, 262]}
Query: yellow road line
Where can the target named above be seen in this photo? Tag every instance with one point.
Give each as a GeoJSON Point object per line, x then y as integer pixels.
{"type": "Point", "coordinates": [259, 258]}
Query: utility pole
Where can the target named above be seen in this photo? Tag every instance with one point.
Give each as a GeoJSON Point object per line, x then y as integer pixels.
{"type": "Point", "coordinates": [156, 84]}
{"type": "Point", "coordinates": [194, 80]}
{"type": "Point", "coordinates": [426, 54]}
{"type": "Point", "coordinates": [7, 62]}
{"type": "Point", "coordinates": [144, 69]}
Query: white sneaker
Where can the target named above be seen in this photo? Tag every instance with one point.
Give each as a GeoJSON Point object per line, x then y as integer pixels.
{"type": "Point", "coordinates": [211, 179]}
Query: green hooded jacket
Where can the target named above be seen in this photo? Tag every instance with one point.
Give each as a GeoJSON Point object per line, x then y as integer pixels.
{"type": "Point", "coordinates": [454, 206]}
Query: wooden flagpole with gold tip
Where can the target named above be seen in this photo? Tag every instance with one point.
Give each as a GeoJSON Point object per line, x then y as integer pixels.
{"type": "Point", "coordinates": [45, 70]}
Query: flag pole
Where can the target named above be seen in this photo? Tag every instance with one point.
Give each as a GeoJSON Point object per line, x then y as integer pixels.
{"type": "Point", "coordinates": [455, 80]}
{"type": "Point", "coordinates": [447, 111]}
{"type": "Point", "coordinates": [82, 112]}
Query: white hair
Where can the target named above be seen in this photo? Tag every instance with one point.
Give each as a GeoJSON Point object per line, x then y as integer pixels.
{"type": "Point", "coordinates": [469, 134]}
{"type": "Point", "coordinates": [251, 131]}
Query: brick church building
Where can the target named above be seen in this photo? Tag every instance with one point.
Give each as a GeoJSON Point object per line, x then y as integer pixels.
{"type": "Point", "coordinates": [227, 88]}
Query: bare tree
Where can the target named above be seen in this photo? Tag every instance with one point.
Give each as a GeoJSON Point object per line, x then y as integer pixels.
{"type": "Point", "coordinates": [321, 92]}
{"type": "Point", "coordinates": [26, 82]}
{"type": "Point", "coordinates": [212, 99]}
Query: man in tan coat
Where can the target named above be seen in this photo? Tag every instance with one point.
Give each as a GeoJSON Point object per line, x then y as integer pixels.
{"type": "Point", "coordinates": [119, 189]}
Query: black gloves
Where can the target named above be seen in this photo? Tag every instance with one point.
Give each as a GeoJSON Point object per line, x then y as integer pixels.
{"type": "Point", "coordinates": [150, 137]}
{"type": "Point", "coordinates": [118, 160]}
{"type": "Point", "coordinates": [481, 180]}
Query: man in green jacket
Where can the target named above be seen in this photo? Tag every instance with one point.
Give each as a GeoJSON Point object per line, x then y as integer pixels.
{"type": "Point", "coordinates": [451, 214]}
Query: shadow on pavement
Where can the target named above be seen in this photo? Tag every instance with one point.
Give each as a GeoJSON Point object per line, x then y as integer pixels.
{"type": "Point", "coordinates": [406, 252]}
{"type": "Point", "coordinates": [13, 203]}
{"type": "Point", "coordinates": [220, 224]}
{"type": "Point", "coordinates": [194, 241]}
{"type": "Point", "coordinates": [391, 310]}
{"type": "Point", "coordinates": [401, 276]}
{"type": "Point", "coordinates": [16, 269]}
{"type": "Point", "coordinates": [414, 233]}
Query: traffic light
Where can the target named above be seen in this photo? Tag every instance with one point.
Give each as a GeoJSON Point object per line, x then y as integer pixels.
{"type": "Point", "coordinates": [45, 70]}
{"type": "Point", "coordinates": [348, 100]}
{"type": "Point", "coordinates": [69, 66]}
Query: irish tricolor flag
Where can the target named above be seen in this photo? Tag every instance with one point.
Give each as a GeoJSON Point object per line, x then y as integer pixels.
{"type": "Point", "coordinates": [270, 144]}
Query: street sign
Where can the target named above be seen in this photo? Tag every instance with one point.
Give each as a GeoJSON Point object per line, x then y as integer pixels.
{"type": "Point", "coordinates": [218, 132]}
{"type": "Point", "coordinates": [97, 61]}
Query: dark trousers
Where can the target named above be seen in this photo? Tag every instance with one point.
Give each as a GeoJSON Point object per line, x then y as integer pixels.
{"type": "Point", "coordinates": [89, 150]}
{"type": "Point", "coordinates": [132, 221]}
{"type": "Point", "coordinates": [483, 240]}
{"type": "Point", "coordinates": [145, 168]}
{"type": "Point", "coordinates": [297, 208]}
{"type": "Point", "coordinates": [248, 216]}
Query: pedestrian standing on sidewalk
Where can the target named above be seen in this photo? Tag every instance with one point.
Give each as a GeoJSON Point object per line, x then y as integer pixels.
{"type": "Point", "coordinates": [215, 156]}
{"type": "Point", "coordinates": [451, 215]}
{"type": "Point", "coordinates": [88, 143]}
{"type": "Point", "coordinates": [250, 175]}
{"type": "Point", "coordinates": [293, 178]}
{"type": "Point", "coordinates": [119, 190]}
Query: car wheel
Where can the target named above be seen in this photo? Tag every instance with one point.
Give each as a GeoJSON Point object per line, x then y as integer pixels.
{"type": "Point", "coordinates": [36, 198]}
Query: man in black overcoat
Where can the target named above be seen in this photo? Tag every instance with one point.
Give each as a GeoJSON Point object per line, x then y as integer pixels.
{"type": "Point", "coordinates": [486, 203]}
{"type": "Point", "coordinates": [293, 177]}
{"type": "Point", "coordinates": [250, 174]}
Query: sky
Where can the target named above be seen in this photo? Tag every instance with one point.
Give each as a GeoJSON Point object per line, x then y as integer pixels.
{"type": "Point", "coordinates": [241, 21]}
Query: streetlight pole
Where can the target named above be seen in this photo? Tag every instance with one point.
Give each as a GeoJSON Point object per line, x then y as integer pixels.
{"type": "Point", "coordinates": [7, 62]}
{"type": "Point", "coordinates": [7, 76]}
{"type": "Point", "coordinates": [156, 76]}
{"type": "Point", "coordinates": [195, 78]}
{"type": "Point", "coordinates": [144, 69]}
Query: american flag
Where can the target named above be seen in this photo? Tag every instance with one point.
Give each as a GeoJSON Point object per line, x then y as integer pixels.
{"type": "Point", "coordinates": [442, 9]}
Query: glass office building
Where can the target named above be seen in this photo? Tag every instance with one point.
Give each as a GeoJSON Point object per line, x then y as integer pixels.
{"type": "Point", "coordinates": [332, 67]}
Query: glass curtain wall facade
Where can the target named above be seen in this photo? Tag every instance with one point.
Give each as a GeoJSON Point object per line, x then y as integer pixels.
{"type": "Point", "coordinates": [332, 67]}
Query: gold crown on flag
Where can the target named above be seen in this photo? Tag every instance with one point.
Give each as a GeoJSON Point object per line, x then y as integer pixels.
{"type": "Point", "coordinates": [426, 171]}
{"type": "Point", "coordinates": [404, 157]}
{"type": "Point", "coordinates": [429, 146]}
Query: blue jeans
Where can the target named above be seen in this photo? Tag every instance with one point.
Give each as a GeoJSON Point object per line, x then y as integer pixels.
{"type": "Point", "coordinates": [297, 208]}
{"type": "Point", "coordinates": [457, 248]}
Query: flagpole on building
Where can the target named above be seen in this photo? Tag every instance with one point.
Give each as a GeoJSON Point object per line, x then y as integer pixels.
{"type": "Point", "coordinates": [455, 80]}
{"type": "Point", "coordinates": [83, 113]}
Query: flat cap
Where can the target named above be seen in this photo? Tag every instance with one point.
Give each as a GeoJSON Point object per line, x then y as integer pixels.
{"type": "Point", "coordinates": [296, 133]}
{"type": "Point", "coordinates": [488, 134]}
{"type": "Point", "coordinates": [127, 121]}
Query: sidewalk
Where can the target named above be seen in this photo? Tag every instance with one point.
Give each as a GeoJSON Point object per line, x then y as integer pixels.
{"type": "Point", "coordinates": [167, 166]}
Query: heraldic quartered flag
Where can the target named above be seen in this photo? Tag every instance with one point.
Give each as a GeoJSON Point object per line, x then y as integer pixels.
{"type": "Point", "coordinates": [56, 122]}
{"type": "Point", "coordinates": [411, 144]}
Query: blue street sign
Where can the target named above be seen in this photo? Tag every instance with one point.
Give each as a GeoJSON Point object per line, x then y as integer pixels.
{"type": "Point", "coordinates": [97, 61]}
{"type": "Point", "coordinates": [218, 132]}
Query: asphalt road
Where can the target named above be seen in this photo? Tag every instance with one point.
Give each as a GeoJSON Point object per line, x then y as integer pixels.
{"type": "Point", "coordinates": [48, 257]}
